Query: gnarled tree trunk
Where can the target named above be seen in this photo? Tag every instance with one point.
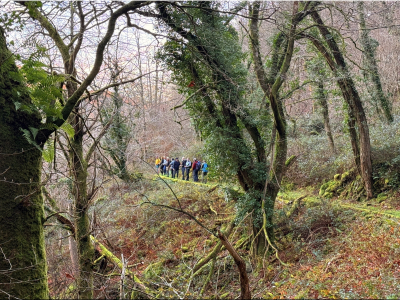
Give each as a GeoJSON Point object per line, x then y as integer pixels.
{"type": "Point", "coordinates": [271, 85]}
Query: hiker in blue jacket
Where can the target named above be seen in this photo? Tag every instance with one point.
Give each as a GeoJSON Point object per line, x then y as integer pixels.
{"type": "Point", "coordinates": [188, 165]}
{"type": "Point", "coordinates": [183, 164]}
{"type": "Point", "coordinates": [204, 168]}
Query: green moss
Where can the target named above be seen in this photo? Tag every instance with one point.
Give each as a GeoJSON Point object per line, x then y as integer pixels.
{"type": "Point", "coordinates": [345, 176]}
{"type": "Point", "coordinates": [289, 160]}
{"type": "Point", "coordinates": [154, 270]}
{"type": "Point", "coordinates": [223, 296]}
{"type": "Point", "coordinates": [337, 177]}
{"type": "Point", "coordinates": [323, 188]}
{"type": "Point", "coordinates": [381, 197]}
{"type": "Point", "coordinates": [21, 205]}
{"type": "Point", "coordinates": [359, 189]}
{"type": "Point", "coordinates": [208, 243]}
{"type": "Point", "coordinates": [333, 186]}
{"type": "Point", "coordinates": [288, 186]}
{"type": "Point", "coordinates": [380, 200]}
{"type": "Point", "coordinates": [187, 256]}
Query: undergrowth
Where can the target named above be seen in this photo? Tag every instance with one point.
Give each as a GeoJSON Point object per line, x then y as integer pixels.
{"type": "Point", "coordinates": [315, 161]}
{"type": "Point", "coordinates": [330, 251]}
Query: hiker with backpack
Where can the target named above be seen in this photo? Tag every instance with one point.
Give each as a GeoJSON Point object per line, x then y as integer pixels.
{"type": "Point", "coordinates": [204, 169]}
{"type": "Point", "coordinates": [196, 168]}
{"type": "Point", "coordinates": [188, 165]}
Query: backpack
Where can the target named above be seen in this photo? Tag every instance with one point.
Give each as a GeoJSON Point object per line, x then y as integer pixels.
{"type": "Point", "coordinates": [198, 166]}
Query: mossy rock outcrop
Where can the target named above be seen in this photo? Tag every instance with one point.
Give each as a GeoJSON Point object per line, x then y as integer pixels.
{"type": "Point", "coordinates": [328, 189]}
{"type": "Point", "coordinates": [338, 186]}
{"type": "Point", "coordinates": [349, 185]}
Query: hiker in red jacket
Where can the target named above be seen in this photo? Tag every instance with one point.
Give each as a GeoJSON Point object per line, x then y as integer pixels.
{"type": "Point", "coordinates": [196, 168]}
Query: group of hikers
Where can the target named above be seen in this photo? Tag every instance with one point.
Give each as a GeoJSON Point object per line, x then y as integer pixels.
{"type": "Point", "coordinates": [170, 167]}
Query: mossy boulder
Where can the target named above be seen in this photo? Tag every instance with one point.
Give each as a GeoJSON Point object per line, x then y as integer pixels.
{"type": "Point", "coordinates": [333, 187]}
{"type": "Point", "coordinates": [330, 186]}
{"type": "Point", "coordinates": [343, 185]}
{"type": "Point", "coordinates": [381, 197]}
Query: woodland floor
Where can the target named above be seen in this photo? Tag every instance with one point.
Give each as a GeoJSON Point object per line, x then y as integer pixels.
{"type": "Point", "coordinates": [330, 248]}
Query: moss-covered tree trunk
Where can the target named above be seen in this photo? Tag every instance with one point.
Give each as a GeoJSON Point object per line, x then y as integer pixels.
{"type": "Point", "coordinates": [335, 60]}
{"type": "Point", "coordinates": [321, 96]}
{"type": "Point", "coordinates": [23, 271]}
{"type": "Point", "coordinates": [369, 46]}
{"type": "Point", "coordinates": [351, 124]}
{"type": "Point", "coordinates": [271, 84]}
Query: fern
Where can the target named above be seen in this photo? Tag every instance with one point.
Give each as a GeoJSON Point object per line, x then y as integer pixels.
{"type": "Point", "coordinates": [49, 126]}
{"type": "Point", "coordinates": [68, 129]}
{"type": "Point", "coordinates": [34, 132]}
{"type": "Point", "coordinates": [29, 137]}
{"type": "Point", "coordinates": [48, 151]}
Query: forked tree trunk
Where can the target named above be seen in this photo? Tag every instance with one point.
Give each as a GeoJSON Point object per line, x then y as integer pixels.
{"type": "Point", "coordinates": [22, 249]}
{"type": "Point", "coordinates": [271, 84]}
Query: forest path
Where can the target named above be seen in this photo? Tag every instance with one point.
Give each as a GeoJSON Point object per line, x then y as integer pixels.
{"type": "Point", "coordinates": [366, 207]}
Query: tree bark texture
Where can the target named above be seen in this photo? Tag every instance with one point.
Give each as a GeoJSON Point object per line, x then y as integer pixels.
{"type": "Point", "coordinates": [350, 94]}
{"type": "Point", "coordinates": [21, 203]}
{"type": "Point", "coordinates": [325, 114]}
